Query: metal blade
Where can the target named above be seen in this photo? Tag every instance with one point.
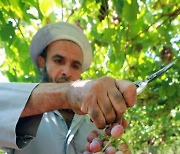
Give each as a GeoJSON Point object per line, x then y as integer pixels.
{"type": "Point", "coordinates": [141, 85]}
{"type": "Point", "coordinates": [160, 72]}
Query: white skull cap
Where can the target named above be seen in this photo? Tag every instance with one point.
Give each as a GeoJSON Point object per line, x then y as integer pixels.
{"type": "Point", "coordinates": [60, 31]}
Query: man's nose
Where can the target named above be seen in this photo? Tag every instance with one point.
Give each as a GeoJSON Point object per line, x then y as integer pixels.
{"type": "Point", "coordinates": [66, 70]}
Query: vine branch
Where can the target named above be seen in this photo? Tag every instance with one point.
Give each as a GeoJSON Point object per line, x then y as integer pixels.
{"type": "Point", "coordinates": [17, 23]}
{"type": "Point", "coordinates": [170, 16]}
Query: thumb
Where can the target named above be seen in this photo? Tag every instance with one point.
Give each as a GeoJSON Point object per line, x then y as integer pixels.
{"type": "Point", "coordinates": [128, 90]}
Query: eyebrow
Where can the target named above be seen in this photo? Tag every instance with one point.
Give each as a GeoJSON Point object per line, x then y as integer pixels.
{"type": "Point", "coordinates": [62, 57]}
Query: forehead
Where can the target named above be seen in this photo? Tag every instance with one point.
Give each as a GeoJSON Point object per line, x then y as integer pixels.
{"type": "Point", "coordinates": [65, 48]}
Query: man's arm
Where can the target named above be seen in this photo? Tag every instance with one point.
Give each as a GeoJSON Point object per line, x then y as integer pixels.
{"type": "Point", "coordinates": [13, 98]}
{"type": "Point", "coordinates": [104, 99]}
{"type": "Point", "coordinates": [47, 97]}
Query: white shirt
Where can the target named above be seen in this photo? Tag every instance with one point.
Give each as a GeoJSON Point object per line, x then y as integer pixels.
{"type": "Point", "coordinates": [50, 136]}
{"type": "Point", "coordinates": [54, 137]}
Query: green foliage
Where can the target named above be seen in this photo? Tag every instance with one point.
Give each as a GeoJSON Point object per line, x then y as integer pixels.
{"type": "Point", "coordinates": [130, 40]}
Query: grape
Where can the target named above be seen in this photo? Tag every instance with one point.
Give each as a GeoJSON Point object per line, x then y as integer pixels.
{"type": "Point", "coordinates": [98, 140]}
{"type": "Point", "coordinates": [122, 147]}
{"type": "Point", "coordinates": [117, 131]}
{"type": "Point", "coordinates": [108, 131]}
{"type": "Point", "coordinates": [95, 146]}
{"type": "Point", "coordinates": [91, 136]}
{"type": "Point", "coordinates": [119, 152]}
{"type": "Point", "coordinates": [87, 152]}
{"type": "Point", "coordinates": [127, 152]}
{"type": "Point", "coordinates": [105, 142]}
{"type": "Point", "coordinates": [95, 132]}
{"type": "Point", "coordinates": [97, 143]}
{"type": "Point", "coordinates": [110, 150]}
{"type": "Point", "coordinates": [87, 146]}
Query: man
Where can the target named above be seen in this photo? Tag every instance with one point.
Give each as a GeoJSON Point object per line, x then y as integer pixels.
{"type": "Point", "coordinates": [50, 117]}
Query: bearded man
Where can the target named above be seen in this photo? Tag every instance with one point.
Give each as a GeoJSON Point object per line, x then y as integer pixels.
{"type": "Point", "coordinates": [50, 117]}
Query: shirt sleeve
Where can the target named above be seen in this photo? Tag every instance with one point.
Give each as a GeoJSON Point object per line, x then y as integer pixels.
{"type": "Point", "coordinates": [16, 132]}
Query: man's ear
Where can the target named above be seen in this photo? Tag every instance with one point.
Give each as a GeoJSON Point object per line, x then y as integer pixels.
{"type": "Point", "coordinates": [41, 62]}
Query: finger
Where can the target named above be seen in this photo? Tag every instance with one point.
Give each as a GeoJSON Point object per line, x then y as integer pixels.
{"type": "Point", "coordinates": [97, 116]}
{"type": "Point", "coordinates": [90, 106]}
{"type": "Point", "coordinates": [124, 123]}
{"type": "Point", "coordinates": [118, 103]}
{"type": "Point", "coordinates": [107, 108]}
{"type": "Point", "coordinates": [128, 90]}
{"type": "Point", "coordinates": [94, 111]}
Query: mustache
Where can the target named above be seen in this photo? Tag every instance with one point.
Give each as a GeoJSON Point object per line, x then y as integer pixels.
{"type": "Point", "coordinates": [63, 79]}
{"type": "Point", "coordinates": [46, 79]}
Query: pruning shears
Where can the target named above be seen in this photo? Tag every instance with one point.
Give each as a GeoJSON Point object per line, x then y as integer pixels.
{"type": "Point", "coordinates": [141, 85]}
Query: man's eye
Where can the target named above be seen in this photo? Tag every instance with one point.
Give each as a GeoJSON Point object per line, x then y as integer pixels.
{"type": "Point", "coordinates": [58, 61]}
{"type": "Point", "coordinates": [76, 67]}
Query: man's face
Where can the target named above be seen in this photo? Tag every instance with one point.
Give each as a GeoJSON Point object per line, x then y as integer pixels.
{"type": "Point", "coordinates": [63, 62]}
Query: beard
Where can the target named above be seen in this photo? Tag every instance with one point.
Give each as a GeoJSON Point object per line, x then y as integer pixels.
{"type": "Point", "coordinates": [45, 78]}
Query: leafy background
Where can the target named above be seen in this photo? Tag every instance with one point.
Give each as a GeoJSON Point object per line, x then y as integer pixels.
{"type": "Point", "coordinates": [130, 40]}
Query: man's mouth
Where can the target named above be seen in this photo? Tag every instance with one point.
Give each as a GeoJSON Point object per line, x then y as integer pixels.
{"type": "Point", "coordinates": [62, 80]}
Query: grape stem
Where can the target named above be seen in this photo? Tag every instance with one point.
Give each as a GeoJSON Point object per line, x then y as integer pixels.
{"type": "Point", "coordinates": [110, 140]}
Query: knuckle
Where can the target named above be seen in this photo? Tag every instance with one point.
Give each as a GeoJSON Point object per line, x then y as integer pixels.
{"type": "Point", "coordinates": [106, 78]}
{"type": "Point", "coordinates": [96, 86]}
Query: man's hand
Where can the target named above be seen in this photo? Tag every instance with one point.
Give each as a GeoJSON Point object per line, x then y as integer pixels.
{"type": "Point", "coordinates": [104, 99]}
